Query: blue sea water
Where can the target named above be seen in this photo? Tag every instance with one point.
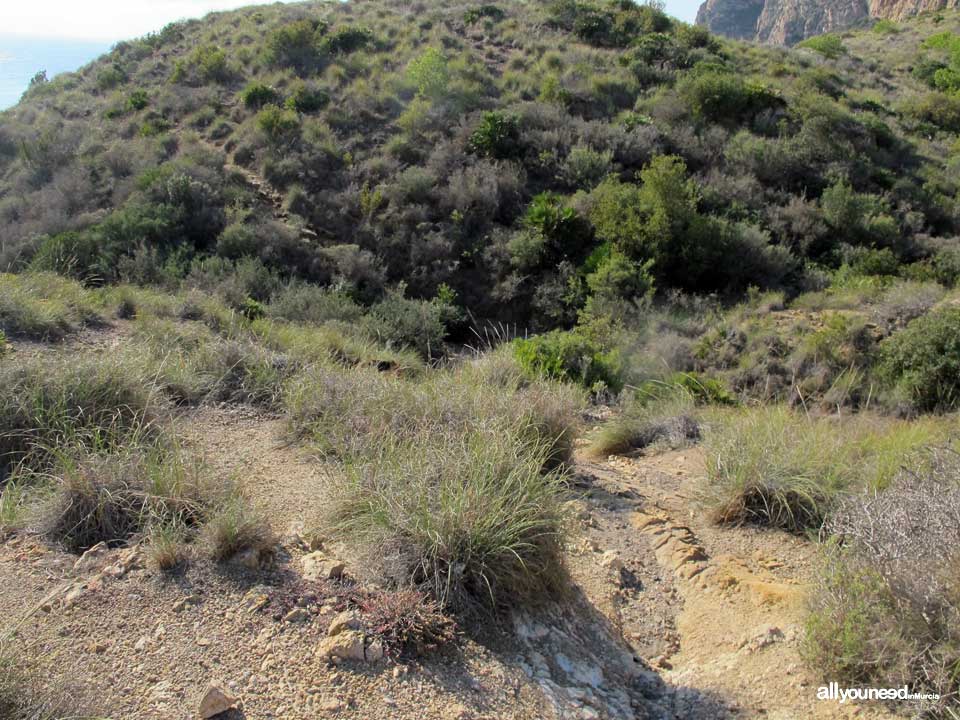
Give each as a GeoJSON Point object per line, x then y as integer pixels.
{"type": "Point", "coordinates": [22, 57]}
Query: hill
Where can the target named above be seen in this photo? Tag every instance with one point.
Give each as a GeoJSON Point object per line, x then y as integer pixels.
{"type": "Point", "coordinates": [535, 360]}
{"type": "Point", "coordinates": [493, 151]}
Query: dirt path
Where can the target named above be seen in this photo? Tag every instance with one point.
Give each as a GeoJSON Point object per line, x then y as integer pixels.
{"type": "Point", "coordinates": [668, 618]}
{"type": "Point", "coordinates": [255, 450]}
{"type": "Point", "coordinates": [718, 610]}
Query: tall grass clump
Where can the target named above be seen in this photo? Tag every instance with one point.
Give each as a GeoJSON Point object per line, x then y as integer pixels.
{"type": "Point", "coordinates": [346, 411]}
{"type": "Point", "coordinates": [62, 401]}
{"type": "Point", "coordinates": [780, 468]}
{"type": "Point", "coordinates": [44, 306]}
{"type": "Point", "coordinates": [25, 696]}
{"type": "Point", "coordinates": [193, 365]}
{"type": "Point", "coordinates": [114, 497]}
{"type": "Point", "coordinates": [669, 419]}
{"type": "Point", "coordinates": [450, 482]}
{"type": "Point", "coordinates": [886, 608]}
{"type": "Point", "coordinates": [470, 517]}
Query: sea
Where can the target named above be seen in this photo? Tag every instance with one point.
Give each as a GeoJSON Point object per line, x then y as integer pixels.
{"type": "Point", "coordinates": [22, 57]}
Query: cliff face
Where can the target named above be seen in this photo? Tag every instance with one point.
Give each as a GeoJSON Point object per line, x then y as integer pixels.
{"type": "Point", "coordinates": [785, 22]}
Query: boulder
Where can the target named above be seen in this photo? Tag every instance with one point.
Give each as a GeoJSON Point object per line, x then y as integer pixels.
{"type": "Point", "coordinates": [93, 559]}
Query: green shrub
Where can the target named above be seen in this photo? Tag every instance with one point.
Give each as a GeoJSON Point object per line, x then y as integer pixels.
{"type": "Point", "coordinates": [296, 45]}
{"type": "Point", "coordinates": [306, 98]}
{"type": "Point", "coordinates": [491, 12]}
{"type": "Point", "coordinates": [347, 40]}
{"type": "Point", "coordinates": [571, 357]}
{"type": "Point", "coordinates": [138, 100]}
{"type": "Point", "coordinates": [723, 96]}
{"type": "Point", "coordinates": [406, 323]}
{"type": "Point", "coordinates": [430, 73]}
{"type": "Point", "coordinates": [923, 360]}
{"type": "Point", "coordinates": [584, 168]}
{"type": "Point", "coordinates": [310, 304]}
{"type": "Point", "coordinates": [256, 94]}
{"type": "Point", "coordinates": [277, 124]}
{"type": "Point", "coordinates": [885, 27]}
{"type": "Point", "coordinates": [937, 108]}
{"type": "Point", "coordinates": [496, 136]}
{"type": "Point", "coordinates": [829, 45]}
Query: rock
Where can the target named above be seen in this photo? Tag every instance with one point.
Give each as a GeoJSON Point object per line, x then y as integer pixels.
{"type": "Point", "coordinates": [215, 700]}
{"type": "Point", "coordinates": [294, 536]}
{"type": "Point", "coordinates": [764, 636]}
{"type": "Point", "coordinates": [251, 558]}
{"type": "Point", "coordinates": [93, 559]}
{"type": "Point", "coordinates": [374, 652]}
{"type": "Point", "coordinates": [182, 603]}
{"type": "Point", "coordinates": [328, 704]}
{"type": "Point", "coordinates": [317, 566]}
{"type": "Point", "coordinates": [74, 594]}
{"type": "Point", "coordinates": [127, 561]}
{"type": "Point", "coordinates": [610, 559]}
{"type": "Point", "coordinates": [141, 644]}
{"type": "Point", "coordinates": [296, 615]}
{"type": "Point", "coordinates": [255, 600]}
{"type": "Point", "coordinates": [347, 645]}
{"type": "Point", "coordinates": [347, 620]}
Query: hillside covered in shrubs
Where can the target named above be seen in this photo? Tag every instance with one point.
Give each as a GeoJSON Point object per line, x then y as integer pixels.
{"type": "Point", "coordinates": [534, 162]}
{"type": "Point", "coordinates": [432, 243]}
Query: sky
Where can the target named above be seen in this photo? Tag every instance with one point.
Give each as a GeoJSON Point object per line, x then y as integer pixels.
{"type": "Point", "coordinates": [63, 35]}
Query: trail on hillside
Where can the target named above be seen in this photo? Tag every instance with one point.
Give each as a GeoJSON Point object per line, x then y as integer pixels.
{"type": "Point", "coordinates": [718, 610]}
{"type": "Point", "coordinates": [667, 618]}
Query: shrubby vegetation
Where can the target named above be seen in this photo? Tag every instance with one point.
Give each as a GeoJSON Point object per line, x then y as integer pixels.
{"type": "Point", "coordinates": [680, 161]}
{"type": "Point", "coordinates": [313, 209]}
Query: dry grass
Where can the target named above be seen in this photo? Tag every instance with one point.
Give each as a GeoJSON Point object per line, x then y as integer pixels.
{"type": "Point", "coordinates": [669, 420]}
{"type": "Point", "coordinates": [447, 483]}
{"type": "Point", "coordinates": [886, 607]}
{"type": "Point", "coordinates": [781, 468]}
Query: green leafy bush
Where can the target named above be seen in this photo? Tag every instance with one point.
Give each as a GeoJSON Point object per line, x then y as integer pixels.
{"type": "Point", "coordinates": [307, 98]}
{"type": "Point", "coordinates": [278, 124]}
{"type": "Point", "coordinates": [257, 94]}
{"type": "Point", "coordinates": [571, 357]}
{"type": "Point", "coordinates": [296, 45]}
{"type": "Point", "coordinates": [490, 12]}
{"type": "Point", "coordinates": [346, 40]}
{"type": "Point", "coordinates": [829, 45]}
{"type": "Point", "coordinates": [407, 323]}
{"type": "Point", "coordinates": [430, 73]}
{"type": "Point", "coordinates": [923, 360]}
{"type": "Point", "coordinates": [496, 136]}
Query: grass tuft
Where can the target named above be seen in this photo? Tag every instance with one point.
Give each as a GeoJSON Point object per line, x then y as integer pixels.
{"type": "Point", "coordinates": [780, 468]}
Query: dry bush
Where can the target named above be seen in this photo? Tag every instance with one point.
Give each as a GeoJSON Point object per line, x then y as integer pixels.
{"type": "Point", "coordinates": [887, 609]}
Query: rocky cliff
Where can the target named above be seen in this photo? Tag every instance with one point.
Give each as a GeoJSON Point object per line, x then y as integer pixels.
{"type": "Point", "coordinates": [785, 22]}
